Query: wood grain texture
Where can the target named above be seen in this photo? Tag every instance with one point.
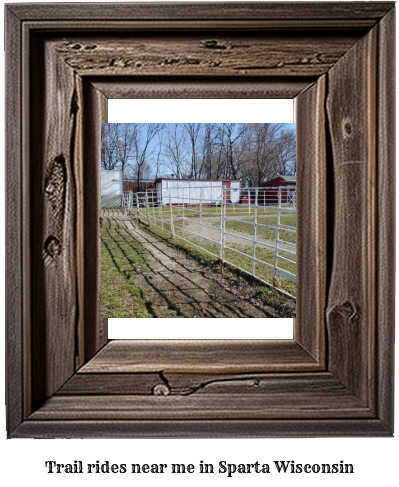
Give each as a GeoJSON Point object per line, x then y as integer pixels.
{"type": "Point", "coordinates": [351, 307]}
{"type": "Point", "coordinates": [385, 271]}
{"type": "Point", "coordinates": [53, 247]}
{"type": "Point", "coordinates": [78, 175]}
{"type": "Point", "coordinates": [311, 219]}
{"type": "Point", "coordinates": [184, 384]}
{"type": "Point", "coordinates": [95, 329]}
{"type": "Point", "coordinates": [311, 215]}
{"type": "Point", "coordinates": [219, 55]}
{"type": "Point", "coordinates": [281, 11]}
{"type": "Point", "coordinates": [298, 24]}
{"type": "Point", "coordinates": [190, 428]}
{"type": "Point", "coordinates": [255, 396]}
{"type": "Point", "coordinates": [111, 384]}
{"type": "Point", "coordinates": [176, 87]}
{"type": "Point", "coordinates": [200, 356]}
{"type": "Point", "coordinates": [203, 407]}
{"type": "Point", "coordinates": [14, 259]}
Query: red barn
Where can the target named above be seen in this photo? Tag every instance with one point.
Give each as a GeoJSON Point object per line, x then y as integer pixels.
{"type": "Point", "coordinates": [270, 194]}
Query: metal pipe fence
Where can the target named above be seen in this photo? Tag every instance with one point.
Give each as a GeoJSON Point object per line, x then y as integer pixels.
{"type": "Point", "coordinates": [251, 229]}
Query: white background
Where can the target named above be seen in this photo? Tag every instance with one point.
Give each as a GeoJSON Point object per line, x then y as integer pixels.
{"type": "Point", "coordinates": [22, 461]}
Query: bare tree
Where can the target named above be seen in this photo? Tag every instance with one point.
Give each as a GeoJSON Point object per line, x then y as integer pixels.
{"type": "Point", "coordinates": [193, 132]}
{"type": "Point", "coordinates": [117, 144]}
{"type": "Point", "coordinates": [126, 146]}
{"type": "Point", "coordinates": [231, 134]}
{"type": "Point", "coordinates": [268, 149]}
{"type": "Point", "coordinates": [286, 151]}
{"type": "Point", "coordinates": [144, 149]}
{"type": "Point", "coordinates": [159, 150]}
{"type": "Point", "coordinates": [261, 152]}
{"type": "Point", "coordinates": [175, 149]}
{"type": "Point", "coordinates": [206, 166]}
{"type": "Point", "coordinates": [109, 147]}
{"type": "Point", "coordinates": [211, 153]}
{"type": "Point", "coordinates": [253, 152]}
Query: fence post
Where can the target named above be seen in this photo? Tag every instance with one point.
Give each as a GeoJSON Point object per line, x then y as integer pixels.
{"type": "Point", "coordinates": [157, 204]}
{"type": "Point", "coordinates": [124, 203]}
{"type": "Point", "coordinates": [277, 238]}
{"type": "Point", "coordinates": [200, 217]}
{"type": "Point", "coordinates": [255, 231]}
{"type": "Point", "coordinates": [138, 205]}
{"type": "Point", "coordinates": [172, 227]}
{"type": "Point", "coordinates": [222, 224]}
{"type": "Point", "coordinates": [183, 220]}
{"type": "Point", "coordinates": [147, 207]}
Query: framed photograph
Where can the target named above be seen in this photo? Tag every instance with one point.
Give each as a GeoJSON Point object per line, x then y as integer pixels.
{"type": "Point", "coordinates": [65, 379]}
{"type": "Point", "coordinates": [176, 242]}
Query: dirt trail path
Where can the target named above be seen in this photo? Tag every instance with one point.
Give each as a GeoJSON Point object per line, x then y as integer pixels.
{"type": "Point", "coordinates": [180, 287]}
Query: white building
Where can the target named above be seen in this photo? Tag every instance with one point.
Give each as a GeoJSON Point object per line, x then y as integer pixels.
{"type": "Point", "coordinates": [172, 191]}
{"type": "Point", "coordinates": [111, 188]}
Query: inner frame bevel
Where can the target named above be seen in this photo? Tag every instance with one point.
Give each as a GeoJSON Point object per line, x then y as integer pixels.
{"type": "Point", "coordinates": [96, 92]}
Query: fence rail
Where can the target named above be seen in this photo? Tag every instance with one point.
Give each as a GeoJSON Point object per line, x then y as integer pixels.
{"type": "Point", "coordinates": [251, 229]}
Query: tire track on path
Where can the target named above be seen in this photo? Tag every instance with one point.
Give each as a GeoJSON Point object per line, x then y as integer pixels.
{"type": "Point", "coordinates": [178, 286]}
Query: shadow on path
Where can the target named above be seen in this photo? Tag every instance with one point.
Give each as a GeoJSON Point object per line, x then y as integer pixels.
{"type": "Point", "coordinates": [175, 285]}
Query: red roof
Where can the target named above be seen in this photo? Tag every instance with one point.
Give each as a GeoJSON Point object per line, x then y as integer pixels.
{"type": "Point", "coordinates": [280, 181]}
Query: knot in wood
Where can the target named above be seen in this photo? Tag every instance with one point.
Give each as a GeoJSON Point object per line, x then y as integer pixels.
{"type": "Point", "coordinates": [161, 390]}
{"type": "Point", "coordinates": [213, 44]}
{"type": "Point", "coordinates": [52, 246]}
{"type": "Point", "coordinates": [54, 186]}
{"type": "Point", "coordinates": [50, 188]}
{"type": "Point", "coordinates": [90, 47]}
{"type": "Point", "coordinates": [348, 310]}
{"type": "Point", "coordinates": [347, 128]}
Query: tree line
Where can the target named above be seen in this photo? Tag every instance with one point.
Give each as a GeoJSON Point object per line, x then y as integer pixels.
{"type": "Point", "coordinates": [252, 152]}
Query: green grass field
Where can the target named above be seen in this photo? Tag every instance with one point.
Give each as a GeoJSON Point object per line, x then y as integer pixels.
{"type": "Point", "coordinates": [193, 211]}
{"type": "Point", "coordinates": [236, 225]}
{"type": "Point", "coordinates": [121, 257]}
{"type": "Point", "coordinates": [204, 256]}
{"type": "Point", "coordinates": [265, 233]}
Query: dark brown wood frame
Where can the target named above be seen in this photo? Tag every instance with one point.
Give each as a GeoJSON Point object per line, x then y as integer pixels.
{"type": "Point", "coordinates": [336, 377]}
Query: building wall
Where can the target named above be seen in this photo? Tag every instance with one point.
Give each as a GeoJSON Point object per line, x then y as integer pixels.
{"type": "Point", "coordinates": [233, 190]}
{"type": "Point", "coordinates": [269, 195]}
{"type": "Point", "coordinates": [189, 192]}
{"type": "Point", "coordinates": [111, 183]}
{"type": "Point", "coordinates": [277, 182]}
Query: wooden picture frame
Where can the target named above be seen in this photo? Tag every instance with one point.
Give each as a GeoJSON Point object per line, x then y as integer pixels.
{"type": "Point", "coordinates": [335, 378]}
